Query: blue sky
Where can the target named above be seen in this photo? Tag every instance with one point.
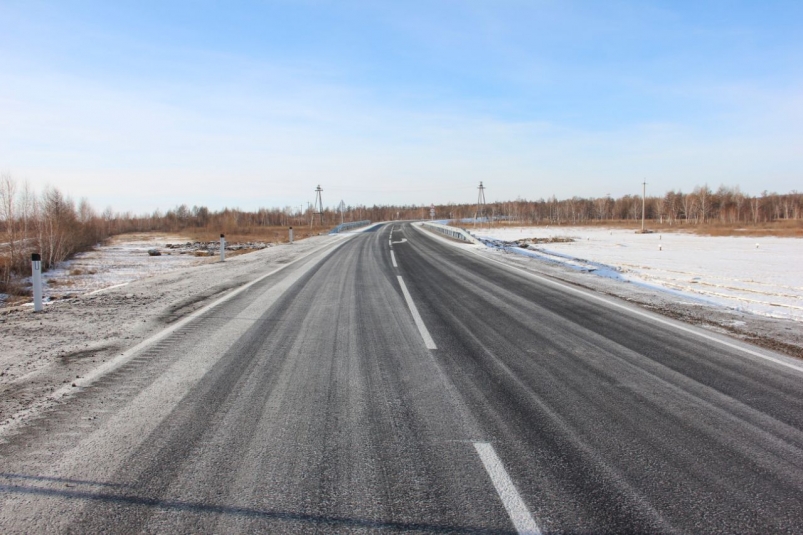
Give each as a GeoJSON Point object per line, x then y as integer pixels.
{"type": "Point", "coordinates": [146, 105]}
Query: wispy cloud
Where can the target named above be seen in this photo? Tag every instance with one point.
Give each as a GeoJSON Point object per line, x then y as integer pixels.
{"type": "Point", "coordinates": [449, 97]}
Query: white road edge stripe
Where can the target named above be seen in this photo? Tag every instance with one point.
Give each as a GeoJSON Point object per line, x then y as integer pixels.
{"type": "Point", "coordinates": [393, 257]}
{"type": "Point", "coordinates": [647, 315]}
{"type": "Point", "coordinates": [476, 250]}
{"type": "Point", "coordinates": [428, 341]}
{"type": "Point", "coordinates": [519, 515]}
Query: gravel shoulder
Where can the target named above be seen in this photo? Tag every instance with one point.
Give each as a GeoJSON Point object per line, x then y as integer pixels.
{"type": "Point", "coordinates": [46, 351]}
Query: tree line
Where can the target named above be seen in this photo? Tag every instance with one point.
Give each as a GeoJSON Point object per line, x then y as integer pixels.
{"type": "Point", "coordinates": [54, 225]}
{"type": "Point", "coordinates": [726, 205]}
{"type": "Point", "coordinates": [48, 222]}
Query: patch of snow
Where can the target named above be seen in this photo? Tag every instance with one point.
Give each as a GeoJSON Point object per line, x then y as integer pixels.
{"type": "Point", "coordinates": [122, 261]}
{"type": "Point", "coordinates": [725, 271]}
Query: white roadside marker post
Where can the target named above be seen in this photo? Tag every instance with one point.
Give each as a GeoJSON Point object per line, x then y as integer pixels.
{"type": "Point", "coordinates": [222, 248]}
{"type": "Point", "coordinates": [291, 235]}
{"type": "Point", "coordinates": [36, 269]}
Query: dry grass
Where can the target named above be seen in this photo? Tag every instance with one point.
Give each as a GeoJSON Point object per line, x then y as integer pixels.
{"type": "Point", "coordinates": [79, 271]}
{"type": "Point", "coordinates": [147, 236]}
{"type": "Point", "coordinates": [238, 235]}
{"type": "Point", "coordinates": [16, 299]}
{"type": "Point", "coordinates": [58, 283]}
{"type": "Point", "coordinates": [782, 229]}
{"type": "Point", "coordinates": [255, 234]}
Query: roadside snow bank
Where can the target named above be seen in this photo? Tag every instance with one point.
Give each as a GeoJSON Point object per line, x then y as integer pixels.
{"type": "Point", "coordinates": [743, 274]}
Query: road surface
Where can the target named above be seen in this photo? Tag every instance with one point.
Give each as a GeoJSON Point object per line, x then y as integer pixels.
{"type": "Point", "coordinates": [393, 382]}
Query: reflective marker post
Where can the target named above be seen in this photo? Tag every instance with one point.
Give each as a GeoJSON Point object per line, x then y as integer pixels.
{"type": "Point", "coordinates": [36, 270]}
{"type": "Point", "coordinates": [222, 248]}
{"type": "Point", "coordinates": [291, 234]}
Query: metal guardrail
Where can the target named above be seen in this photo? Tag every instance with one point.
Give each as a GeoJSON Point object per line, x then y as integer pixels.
{"type": "Point", "coordinates": [349, 226]}
{"type": "Point", "coordinates": [452, 232]}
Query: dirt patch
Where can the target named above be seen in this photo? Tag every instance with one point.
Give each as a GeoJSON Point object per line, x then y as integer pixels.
{"type": "Point", "coordinates": [75, 356]}
{"type": "Point", "coordinates": [197, 301]}
{"type": "Point", "coordinates": [748, 332]}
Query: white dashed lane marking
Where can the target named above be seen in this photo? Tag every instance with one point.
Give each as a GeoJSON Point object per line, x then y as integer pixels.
{"type": "Point", "coordinates": [428, 341]}
{"type": "Point", "coordinates": [519, 515]}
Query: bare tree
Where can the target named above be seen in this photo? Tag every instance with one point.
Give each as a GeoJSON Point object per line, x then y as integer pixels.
{"type": "Point", "coordinates": [8, 190]}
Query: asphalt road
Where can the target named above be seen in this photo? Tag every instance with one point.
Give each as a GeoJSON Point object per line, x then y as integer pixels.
{"type": "Point", "coordinates": [398, 383]}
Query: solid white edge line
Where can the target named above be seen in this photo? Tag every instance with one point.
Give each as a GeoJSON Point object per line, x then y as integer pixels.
{"type": "Point", "coordinates": [649, 316]}
{"type": "Point", "coordinates": [631, 309]}
{"type": "Point", "coordinates": [516, 509]}
{"type": "Point", "coordinates": [428, 341]}
{"type": "Point", "coordinates": [393, 258]}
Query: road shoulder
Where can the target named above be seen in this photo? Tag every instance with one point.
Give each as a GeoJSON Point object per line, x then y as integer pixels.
{"type": "Point", "coordinates": [782, 336]}
{"type": "Point", "coordinates": [71, 339]}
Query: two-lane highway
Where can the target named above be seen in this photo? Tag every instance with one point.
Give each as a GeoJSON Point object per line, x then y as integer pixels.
{"type": "Point", "coordinates": [395, 382]}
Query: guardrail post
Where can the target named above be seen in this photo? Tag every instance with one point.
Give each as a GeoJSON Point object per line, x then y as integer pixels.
{"type": "Point", "coordinates": [222, 248]}
{"type": "Point", "coordinates": [291, 235]}
{"type": "Point", "coordinates": [36, 269]}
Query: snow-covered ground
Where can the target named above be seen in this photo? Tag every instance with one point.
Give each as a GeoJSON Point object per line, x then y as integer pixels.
{"type": "Point", "coordinates": [124, 259]}
{"type": "Point", "coordinates": [758, 276]}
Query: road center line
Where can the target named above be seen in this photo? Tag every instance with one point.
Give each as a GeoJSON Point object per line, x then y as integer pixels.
{"type": "Point", "coordinates": [522, 520]}
{"type": "Point", "coordinates": [428, 341]}
{"type": "Point", "coordinates": [393, 257]}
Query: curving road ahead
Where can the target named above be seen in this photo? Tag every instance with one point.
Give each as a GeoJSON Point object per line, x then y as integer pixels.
{"type": "Point", "coordinates": [395, 382]}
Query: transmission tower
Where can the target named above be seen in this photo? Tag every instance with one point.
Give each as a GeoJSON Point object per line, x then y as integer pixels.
{"type": "Point", "coordinates": [318, 205]}
{"type": "Point", "coordinates": [480, 204]}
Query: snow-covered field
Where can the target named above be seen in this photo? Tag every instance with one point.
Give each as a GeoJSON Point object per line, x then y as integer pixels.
{"type": "Point", "coordinates": [760, 276]}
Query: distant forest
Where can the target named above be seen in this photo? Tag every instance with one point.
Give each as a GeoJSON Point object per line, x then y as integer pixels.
{"type": "Point", "coordinates": [57, 227]}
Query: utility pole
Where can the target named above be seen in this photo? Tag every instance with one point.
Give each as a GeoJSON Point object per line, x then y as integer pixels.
{"type": "Point", "coordinates": [643, 203]}
{"type": "Point", "coordinates": [480, 204]}
{"type": "Point", "coordinates": [318, 204]}
{"type": "Point", "coordinates": [342, 207]}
